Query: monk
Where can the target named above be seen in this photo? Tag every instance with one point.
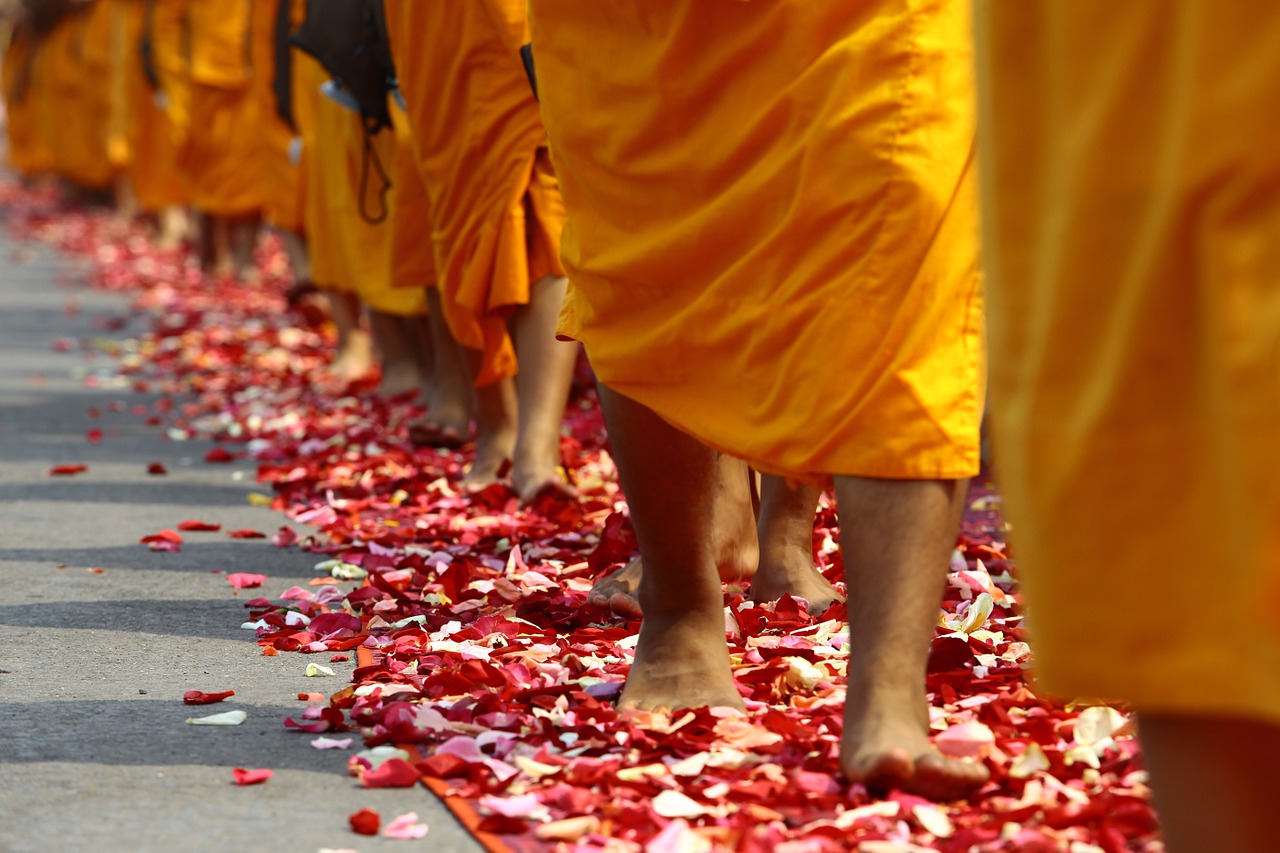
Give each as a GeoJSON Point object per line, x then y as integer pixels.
{"type": "Point", "coordinates": [438, 364]}
{"type": "Point", "coordinates": [1131, 190]}
{"type": "Point", "coordinates": [495, 217]}
{"type": "Point", "coordinates": [772, 249]}
{"type": "Point", "coordinates": [349, 200]}
{"type": "Point", "coordinates": [76, 54]}
{"type": "Point", "coordinates": [220, 159]}
{"type": "Point", "coordinates": [279, 145]}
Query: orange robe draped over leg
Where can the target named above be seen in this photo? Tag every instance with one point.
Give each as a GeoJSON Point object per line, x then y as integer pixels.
{"type": "Point", "coordinates": [348, 235]}
{"type": "Point", "coordinates": [79, 87]}
{"type": "Point", "coordinates": [412, 254]}
{"type": "Point", "coordinates": [772, 239]}
{"type": "Point", "coordinates": [21, 93]}
{"type": "Point", "coordinates": [1131, 192]}
{"type": "Point", "coordinates": [281, 168]}
{"type": "Point", "coordinates": [151, 127]}
{"type": "Point", "coordinates": [494, 204]}
{"type": "Point", "coordinates": [221, 159]}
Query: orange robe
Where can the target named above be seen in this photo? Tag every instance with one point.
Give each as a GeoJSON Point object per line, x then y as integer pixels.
{"type": "Point", "coordinates": [412, 256]}
{"type": "Point", "coordinates": [348, 236]}
{"type": "Point", "coordinates": [78, 78]}
{"type": "Point", "coordinates": [281, 171]}
{"type": "Point", "coordinates": [1131, 191]}
{"type": "Point", "coordinates": [773, 237]}
{"type": "Point", "coordinates": [494, 204]}
{"type": "Point", "coordinates": [152, 137]}
{"type": "Point", "coordinates": [21, 92]}
{"type": "Point", "coordinates": [221, 159]}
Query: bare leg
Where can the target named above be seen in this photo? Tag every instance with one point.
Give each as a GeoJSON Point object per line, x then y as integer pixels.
{"type": "Point", "coordinates": [242, 239]}
{"type": "Point", "coordinates": [495, 407]}
{"type": "Point", "coordinates": [210, 242]}
{"type": "Point", "coordinates": [786, 546]}
{"type": "Point", "coordinates": [733, 534]}
{"type": "Point", "coordinates": [295, 249]}
{"type": "Point", "coordinates": [399, 352]}
{"type": "Point", "coordinates": [1213, 779]}
{"type": "Point", "coordinates": [671, 480]}
{"type": "Point", "coordinates": [546, 372]}
{"type": "Point", "coordinates": [355, 351]}
{"type": "Point", "coordinates": [896, 537]}
{"type": "Point", "coordinates": [174, 226]}
{"type": "Point", "coordinates": [447, 422]}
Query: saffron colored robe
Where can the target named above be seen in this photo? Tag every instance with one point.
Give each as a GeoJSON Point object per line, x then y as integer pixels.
{"type": "Point", "coordinates": [494, 204]}
{"type": "Point", "coordinates": [772, 237]}
{"type": "Point", "coordinates": [1131, 190]}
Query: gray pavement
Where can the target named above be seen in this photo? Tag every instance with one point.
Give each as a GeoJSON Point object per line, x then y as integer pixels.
{"type": "Point", "coordinates": [94, 751]}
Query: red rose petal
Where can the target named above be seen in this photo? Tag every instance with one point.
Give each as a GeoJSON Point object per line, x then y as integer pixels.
{"type": "Point", "coordinates": [218, 454]}
{"type": "Point", "coordinates": [367, 821]}
{"type": "Point", "coordinates": [203, 526]}
{"type": "Point", "coordinates": [67, 470]}
{"type": "Point", "coordinates": [246, 580]}
{"type": "Point", "coordinates": [246, 533]}
{"type": "Point", "coordinates": [196, 697]}
{"type": "Point", "coordinates": [244, 776]}
{"type": "Point", "coordinates": [392, 773]}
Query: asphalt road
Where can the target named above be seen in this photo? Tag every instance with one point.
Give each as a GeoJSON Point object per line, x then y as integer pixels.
{"type": "Point", "coordinates": [95, 754]}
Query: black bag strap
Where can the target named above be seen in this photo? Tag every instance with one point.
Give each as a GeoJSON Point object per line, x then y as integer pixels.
{"type": "Point", "coordinates": [146, 47]}
{"type": "Point", "coordinates": [282, 79]}
{"type": "Point", "coordinates": [370, 156]}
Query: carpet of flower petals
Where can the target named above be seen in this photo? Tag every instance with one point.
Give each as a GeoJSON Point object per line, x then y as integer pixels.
{"type": "Point", "coordinates": [487, 661]}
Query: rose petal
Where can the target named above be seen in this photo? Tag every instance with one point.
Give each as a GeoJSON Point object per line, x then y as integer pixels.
{"type": "Point", "coordinates": [251, 777]}
{"type": "Point", "coordinates": [366, 821]}
{"type": "Point", "coordinates": [331, 743]}
{"type": "Point", "coordinates": [195, 697]}
{"type": "Point", "coordinates": [226, 718]}
{"type": "Point", "coordinates": [405, 826]}
{"type": "Point", "coordinates": [393, 773]}
{"type": "Point", "coordinates": [246, 580]}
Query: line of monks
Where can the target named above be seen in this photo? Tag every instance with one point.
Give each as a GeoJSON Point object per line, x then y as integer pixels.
{"type": "Point", "coordinates": [203, 106]}
{"type": "Point", "coordinates": [760, 220]}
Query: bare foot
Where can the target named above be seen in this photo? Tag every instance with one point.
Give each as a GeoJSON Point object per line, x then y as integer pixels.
{"type": "Point", "coordinates": [886, 751]}
{"type": "Point", "coordinates": [399, 377]}
{"type": "Point", "coordinates": [493, 451]}
{"type": "Point", "coordinates": [790, 571]}
{"type": "Point", "coordinates": [619, 591]}
{"type": "Point", "coordinates": [354, 359]}
{"type": "Point", "coordinates": [545, 483]}
{"type": "Point", "coordinates": [681, 662]}
{"type": "Point", "coordinates": [426, 432]}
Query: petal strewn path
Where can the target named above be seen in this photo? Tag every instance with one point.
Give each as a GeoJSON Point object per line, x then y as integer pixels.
{"type": "Point", "coordinates": [94, 751]}
{"type": "Point", "coordinates": [477, 651]}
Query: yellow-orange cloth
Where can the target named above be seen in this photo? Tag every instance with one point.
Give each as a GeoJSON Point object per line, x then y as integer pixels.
{"type": "Point", "coordinates": [348, 252]}
{"type": "Point", "coordinates": [772, 239]}
{"type": "Point", "coordinates": [21, 93]}
{"type": "Point", "coordinates": [494, 203]}
{"type": "Point", "coordinates": [1132, 203]}
{"type": "Point", "coordinates": [126, 26]}
{"type": "Point", "coordinates": [221, 156]}
{"type": "Point", "coordinates": [152, 131]}
{"type": "Point", "coordinates": [281, 173]}
{"type": "Point", "coordinates": [77, 116]}
{"type": "Point", "coordinates": [412, 256]}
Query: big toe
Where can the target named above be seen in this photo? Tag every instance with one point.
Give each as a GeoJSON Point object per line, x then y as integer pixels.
{"type": "Point", "coordinates": [943, 779]}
